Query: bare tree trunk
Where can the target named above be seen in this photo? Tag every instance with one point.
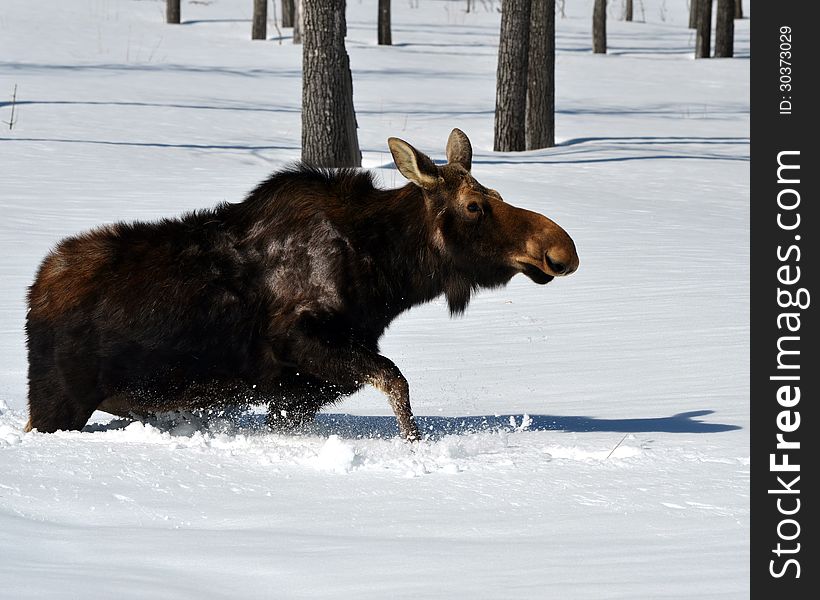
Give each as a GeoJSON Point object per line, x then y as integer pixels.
{"type": "Point", "coordinates": [329, 136]}
{"type": "Point", "coordinates": [693, 13]}
{"type": "Point", "coordinates": [259, 29]}
{"type": "Point", "coordinates": [599, 27]}
{"type": "Point", "coordinates": [541, 76]}
{"type": "Point", "coordinates": [725, 29]}
{"type": "Point", "coordinates": [172, 11]}
{"type": "Point", "coordinates": [385, 34]}
{"type": "Point", "coordinates": [628, 10]}
{"type": "Point", "coordinates": [738, 9]}
{"type": "Point", "coordinates": [298, 21]}
{"type": "Point", "coordinates": [511, 83]}
{"type": "Point", "coordinates": [703, 39]}
{"type": "Point", "coordinates": [287, 13]}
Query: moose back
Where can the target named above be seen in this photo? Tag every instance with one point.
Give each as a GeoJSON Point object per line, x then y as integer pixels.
{"type": "Point", "coordinates": [279, 299]}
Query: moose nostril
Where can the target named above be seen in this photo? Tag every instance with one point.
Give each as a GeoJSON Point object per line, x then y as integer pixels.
{"type": "Point", "coordinates": [556, 267]}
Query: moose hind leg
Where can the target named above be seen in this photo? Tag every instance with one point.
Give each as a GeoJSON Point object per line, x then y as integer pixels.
{"type": "Point", "coordinates": [56, 403]}
{"type": "Point", "coordinates": [296, 402]}
{"type": "Point", "coordinates": [292, 417]}
{"type": "Point", "coordinates": [62, 390]}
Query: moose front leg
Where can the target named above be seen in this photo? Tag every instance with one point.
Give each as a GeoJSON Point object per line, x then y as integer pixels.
{"type": "Point", "coordinates": [354, 367]}
{"type": "Point", "coordinates": [390, 381]}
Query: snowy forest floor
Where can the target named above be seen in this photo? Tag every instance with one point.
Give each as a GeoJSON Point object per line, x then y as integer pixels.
{"type": "Point", "coordinates": [586, 440]}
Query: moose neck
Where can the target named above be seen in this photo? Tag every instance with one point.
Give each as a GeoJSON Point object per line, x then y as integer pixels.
{"type": "Point", "coordinates": [397, 259]}
{"type": "Point", "coordinates": [401, 237]}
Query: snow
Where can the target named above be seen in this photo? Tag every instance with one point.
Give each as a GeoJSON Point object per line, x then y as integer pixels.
{"type": "Point", "coordinates": [587, 439]}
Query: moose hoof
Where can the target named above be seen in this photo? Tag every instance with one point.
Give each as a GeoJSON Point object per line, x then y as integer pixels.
{"type": "Point", "coordinates": [411, 434]}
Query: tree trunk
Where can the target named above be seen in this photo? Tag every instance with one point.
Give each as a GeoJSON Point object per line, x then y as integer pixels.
{"type": "Point", "coordinates": [628, 10]}
{"type": "Point", "coordinates": [385, 35]}
{"type": "Point", "coordinates": [693, 13]}
{"type": "Point", "coordinates": [329, 136]}
{"type": "Point", "coordinates": [298, 21]}
{"type": "Point", "coordinates": [703, 41]}
{"type": "Point", "coordinates": [172, 11]}
{"type": "Point", "coordinates": [738, 9]}
{"type": "Point", "coordinates": [511, 83]}
{"type": "Point", "coordinates": [541, 76]}
{"type": "Point", "coordinates": [259, 29]}
{"type": "Point", "coordinates": [287, 13]}
{"type": "Point", "coordinates": [599, 27]}
{"type": "Point", "coordinates": [725, 29]}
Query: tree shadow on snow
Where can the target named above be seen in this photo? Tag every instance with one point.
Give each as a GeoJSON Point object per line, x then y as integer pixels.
{"type": "Point", "coordinates": [433, 427]}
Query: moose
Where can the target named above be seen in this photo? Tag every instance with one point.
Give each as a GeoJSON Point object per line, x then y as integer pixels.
{"type": "Point", "coordinates": [279, 299]}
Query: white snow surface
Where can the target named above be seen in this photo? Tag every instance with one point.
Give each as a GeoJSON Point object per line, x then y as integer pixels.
{"type": "Point", "coordinates": [588, 439]}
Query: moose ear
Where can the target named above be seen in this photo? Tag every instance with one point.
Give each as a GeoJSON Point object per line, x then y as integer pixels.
{"type": "Point", "coordinates": [459, 150]}
{"type": "Point", "coordinates": [414, 165]}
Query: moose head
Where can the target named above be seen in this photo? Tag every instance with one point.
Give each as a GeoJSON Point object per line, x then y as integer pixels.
{"type": "Point", "coordinates": [481, 233]}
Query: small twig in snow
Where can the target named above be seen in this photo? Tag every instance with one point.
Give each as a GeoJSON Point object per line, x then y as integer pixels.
{"type": "Point", "coordinates": [156, 47]}
{"type": "Point", "coordinates": [11, 120]}
{"type": "Point", "coordinates": [276, 23]}
{"type": "Point", "coordinates": [616, 446]}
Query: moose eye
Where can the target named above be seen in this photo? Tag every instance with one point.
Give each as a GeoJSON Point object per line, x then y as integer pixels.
{"type": "Point", "coordinates": [473, 207]}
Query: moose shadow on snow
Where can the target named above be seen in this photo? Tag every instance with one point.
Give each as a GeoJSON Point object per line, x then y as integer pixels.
{"type": "Point", "coordinates": [432, 427]}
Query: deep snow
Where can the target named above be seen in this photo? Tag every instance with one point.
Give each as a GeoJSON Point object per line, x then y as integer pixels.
{"type": "Point", "coordinates": [587, 439]}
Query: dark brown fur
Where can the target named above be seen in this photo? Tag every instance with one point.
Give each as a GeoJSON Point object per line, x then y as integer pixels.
{"type": "Point", "coordinates": [281, 298]}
